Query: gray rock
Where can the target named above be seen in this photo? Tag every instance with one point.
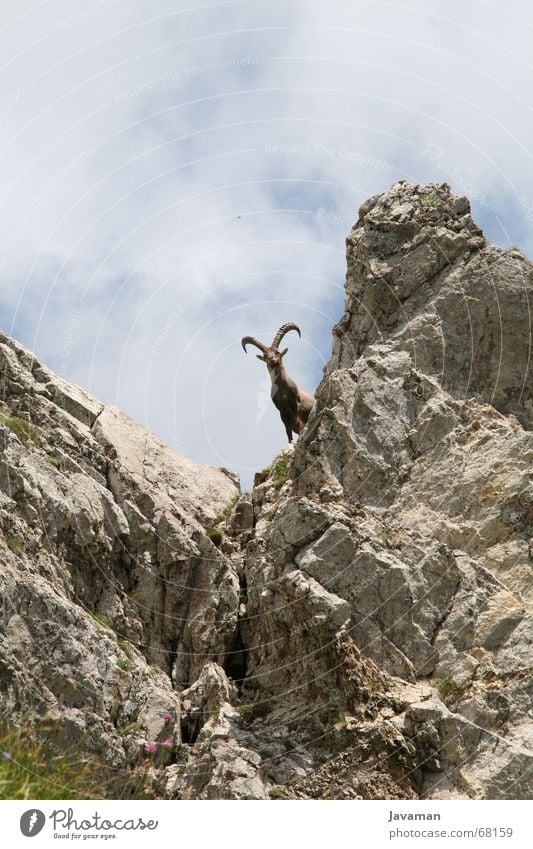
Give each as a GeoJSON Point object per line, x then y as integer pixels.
{"type": "Point", "coordinates": [361, 626]}
{"type": "Point", "coordinates": [111, 586]}
{"type": "Point", "coordinates": [410, 497]}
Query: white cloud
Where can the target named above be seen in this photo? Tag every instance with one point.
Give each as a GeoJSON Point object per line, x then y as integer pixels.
{"type": "Point", "coordinates": [175, 179]}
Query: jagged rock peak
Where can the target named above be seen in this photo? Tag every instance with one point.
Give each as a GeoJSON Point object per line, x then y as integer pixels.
{"type": "Point", "coordinates": [422, 278]}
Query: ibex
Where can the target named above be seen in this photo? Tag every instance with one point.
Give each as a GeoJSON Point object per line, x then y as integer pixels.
{"type": "Point", "coordinates": [294, 404]}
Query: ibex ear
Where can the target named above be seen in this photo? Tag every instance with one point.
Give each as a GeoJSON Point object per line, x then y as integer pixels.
{"type": "Point", "coordinates": [284, 352]}
{"type": "Point", "coordinates": [260, 357]}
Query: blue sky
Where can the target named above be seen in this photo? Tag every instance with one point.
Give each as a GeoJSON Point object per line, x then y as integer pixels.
{"type": "Point", "coordinates": [175, 177]}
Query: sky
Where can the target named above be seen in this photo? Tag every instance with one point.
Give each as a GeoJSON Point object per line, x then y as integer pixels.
{"type": "Point", "coordinates": [174, 176]}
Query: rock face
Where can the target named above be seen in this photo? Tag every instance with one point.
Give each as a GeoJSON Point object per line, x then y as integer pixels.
{"type": "Point", "coordinates": [360, 627]}
{"type": "Point", "coordinates": [111, 586]}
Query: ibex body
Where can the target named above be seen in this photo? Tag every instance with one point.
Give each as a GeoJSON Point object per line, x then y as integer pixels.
{"type": "Point", "coordinates": [293, 403]}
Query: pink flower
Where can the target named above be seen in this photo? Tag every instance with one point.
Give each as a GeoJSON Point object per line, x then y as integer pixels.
{"type": "Point", "coordinates": [169, 742]}
{"type": "Point", "coordinates": [168, 717]}
{"type": "Point", "coordinates": [151, 747]}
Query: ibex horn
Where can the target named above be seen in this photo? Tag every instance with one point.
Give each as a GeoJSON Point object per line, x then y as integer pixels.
{"type": "Point", "coordinates": [249, 340]}
{"type": "Point", "coordinates": [282, 331]}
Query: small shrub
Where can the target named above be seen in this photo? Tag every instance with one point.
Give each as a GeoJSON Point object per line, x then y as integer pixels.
{"type": "Point", "coordinates": [431, 200]}
{"type": "Point", "coordinates": [254, 710]}
{"type": "Point", "coordinates": [262, 476]}
{"type": "Point", "coordinates": [102, 619]}
{"type": "Point", "coordinates": [278, 792]}
{"type": "Point", "coordinates": [23, 430]}
{"type": "Point", "coordinates": [126, 648]}
{"type": "Point", "coordinates": [281, 472]}
{"type": "Point", "coordinates": [215, 535]}
{"type": "Point", "coordinates": [228, 510]}
{"type": "Point", "coordinates": [181, 756]}
{"type": "Point", "coordinates": [246, 712]}
{"type": "Point", "coordinates": [133, 727]}
{"type": "Point", "coordinates": [342, 723]}
{"type": "Point", "coordinates": [47, 545]}
{"type": "Point", "coordinates": [206, 743]}
{"type": "Point", "coordinates": [15, 545]}
{"type": "Point", "coordinates": [262, 709]}
{"type": "Point", "coordinates": [125, 663]}
{"type": "Point", "coordinates": [134, 596]}
{"type": "Point", "coordinates": [447, 688]}
{"type": "Point", "coordinates": [385, 537]}
{"type": "Point", "coordinates": [514, 250]}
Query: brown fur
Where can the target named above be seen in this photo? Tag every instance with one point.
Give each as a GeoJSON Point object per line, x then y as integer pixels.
{"type": "Point", "coordinates": [293, 403]}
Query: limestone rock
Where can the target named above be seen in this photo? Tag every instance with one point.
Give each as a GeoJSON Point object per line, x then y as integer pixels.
{"type": "Point", "coordinates": [111, 586]}
{"type": "Point", "coordinates": [410, 496]}
{"type": "Point", "coordinates": [360, 627]}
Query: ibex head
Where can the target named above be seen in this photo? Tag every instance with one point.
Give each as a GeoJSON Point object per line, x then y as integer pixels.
{"type": "Point", "coordinates": [272, 356]}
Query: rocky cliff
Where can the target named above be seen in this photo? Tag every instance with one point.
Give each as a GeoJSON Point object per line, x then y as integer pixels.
{"type": "Point", "coordinates": [358, 627]}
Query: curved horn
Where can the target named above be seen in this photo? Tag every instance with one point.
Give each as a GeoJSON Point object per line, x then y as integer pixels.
{"type": "Point", "coordinates": [283, 330]}
{"type": "Point", "coordinates": [249, 340]}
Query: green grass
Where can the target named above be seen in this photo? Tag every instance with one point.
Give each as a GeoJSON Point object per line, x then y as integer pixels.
{"type": "Point", "coordinates": [134, 596]}
{"type": "Point", "coordinates": [431, 200]}
{"type": "Point", "coordinates": [23, 430]}
{"type": "Point", "coordinates": [447, 688]}
{"type": "Point", "coordinates": [213, 532]}
{"type": "Point", "coordinates": [126, 648]}
{"type": "Point", "coordinates": [33, 767]}
{"type": "Point", "coordinates": [385, 537]}
{"type": "Point", "coordinates": [342, 723]}
{"type": "Point", "coordinates": [47, 545]}
{"type": "Point", "coordinates": [206, 743]}
{"type": "Point", "coordinates": [15, 545]}
{"type": "Point", "coordinates": [254, 710]}
{"type": "Point", "coordinates": [278, 793]}
{"type": "Point", "coordinates": [132, 727]}
{"type": "Point", "coordinates": [215, 535]}
{"type": "Point", "coordinates": [102, 619]}
{"type": "Point", "coordinates": [228, 510]}
{"type": "Point", "coordinates": [126, 663]}
{"type": "Point", "coordinates": [516, 250]}
{"type": "Point", "coordinates": [281, 472]}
